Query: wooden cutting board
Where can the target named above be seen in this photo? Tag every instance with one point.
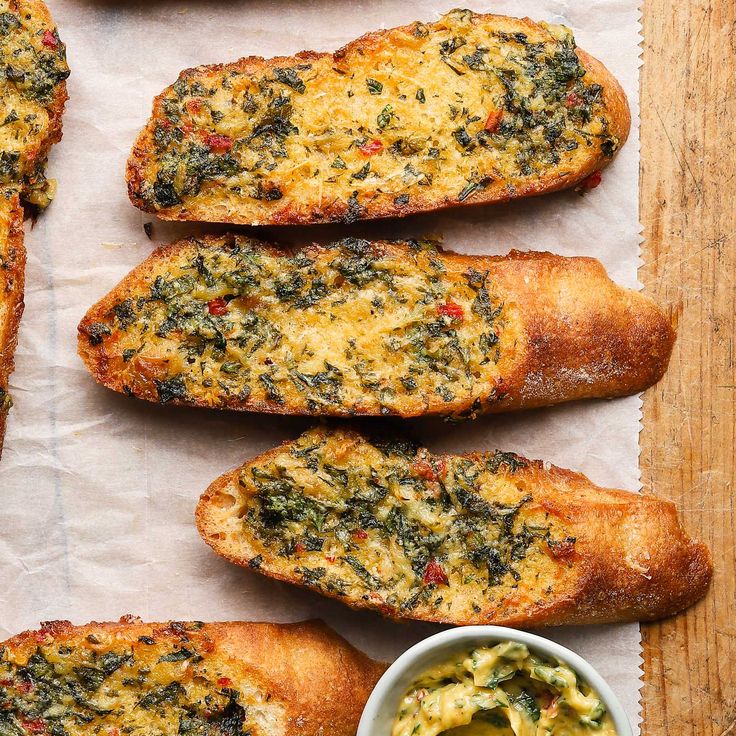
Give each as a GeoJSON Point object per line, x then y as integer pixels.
{"type": "Point", "coordinates": [688, 209]}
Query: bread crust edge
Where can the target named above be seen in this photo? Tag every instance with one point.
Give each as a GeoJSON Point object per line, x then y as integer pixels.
{"type": "Point", "coordinates": [15, 274]}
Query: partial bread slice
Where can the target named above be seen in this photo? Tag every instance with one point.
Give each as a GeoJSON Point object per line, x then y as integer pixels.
{"type": "Point", "coordinates": [32, 96]}
{"type": "Point", "coordinates": [12, 279]}
{"type": "Point", "coordinates": [379, 328]}
{"type": "Point", "coordinates": [194, 679]}
{"type": "Point", "coordinates": [470, 109]}
{"type": "Point", "coordinates": [486, 538]}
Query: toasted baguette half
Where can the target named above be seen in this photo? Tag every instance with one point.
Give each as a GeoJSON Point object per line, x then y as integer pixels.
{"type": "Point", "coordinates": [191, 679]}
{"type": "Point", "coordinates": [32, 97]}
{"type": "Point", "coordinates": [471, 109]}
{"type": "Point", "coordinates": [486, 538]}
{"type": "Point", "coordinates": [12, 278]}
{"type": "Point", "coordinates": [382, 328]}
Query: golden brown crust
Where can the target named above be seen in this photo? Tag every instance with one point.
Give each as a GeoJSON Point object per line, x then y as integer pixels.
{"type": "Point", "coordinates": [640, 564]}
{"type": "Point", "coordinates": [12, 278]}
{"type": "Point", "coordinates": [614, 98]}
{"type": "Point", "coordinates": [581, 335]}
{"type": "Point", "coordinates": [321, 680]}
{"type": "Point", "coordinates": [324, 679]}
{"type": "Point", "coordinates": [586, 336]}
{"type": "Point", "coordinates": [632, 559]}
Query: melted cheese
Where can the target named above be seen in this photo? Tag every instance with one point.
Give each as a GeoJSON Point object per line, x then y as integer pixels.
{"type": "Point", "coordinates": [345, 329]}
{"type": "Point", "coordinates": [501, 691]}
{"type": "Point", "coordinates": [330, 511]}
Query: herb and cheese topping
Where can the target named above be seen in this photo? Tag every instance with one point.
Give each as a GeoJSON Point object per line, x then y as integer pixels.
{"type": "Point", "coordinates": [469, 108]}
{"type": "Point", "coordinates": [32, 72]}
{"type": "Point", "coordinates": [348, 328]}
{"type": "Point", "coordinates": [169, 682]}
{"type": "Point", "coordinates": [386, 525]}
{"type": "Point", "coordinates": [502, 690]}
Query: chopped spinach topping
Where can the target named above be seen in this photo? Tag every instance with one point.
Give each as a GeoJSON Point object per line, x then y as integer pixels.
{"type": "Point", "coordinates": [374, 87]}
{"type": "Point", "coordinates": [526, 107]}
{"type": "Point", "coordinates": [363, 171]}
{"type": "Point", "coordinates": [170, 389]}
{"type": "Point", "coordinates": [290, 78]}
{"type": "Point", "coordinates": [394, 521]}
{"type": "Point", "coordinates": [231, 323]}
{"type": "Point", "coordinates": [385, 116]}
{"type": "Point", "coordinates": [68, 688]}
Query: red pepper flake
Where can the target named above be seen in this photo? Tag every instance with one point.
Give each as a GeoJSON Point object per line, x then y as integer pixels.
{"type": "Point", "coordinates": [591, 182]}
{"type": "Point", "coordinates": [113, 731]}
{"type": "Point", "coordinates": [49, 40]}
{"type": "Point", "coordinates": [6, 682]}
{"type": "Point", "coordinates": [441, 466]}
{"type": "Point", "coordinates": [330, 558]}
{"type": "Point", "coordinates": [25, 687]}
{"type": "Point", "coordinates": [423, 469]}
{"type": "Point", "coordinates": [548, 702]}
{"type": "Point", "coordinates": [218, 306]}
{"type": "Point", "coordinates": [34, 725]}
{"type": "Point", "coordinates": [434, 574]}
{"type": "Point", "coordinates": [224, 682]}
{"type": "Point", "coordinates": [544, 699]}
{"type": "Point", "coordinates": [371, 147]}
{"type": "Point", "coordinates": [360, 534]}
{"type": "Point", "coordinates": [493, 121]}
{"type": "Point", "coordinates": [451, 310]}
{"type": "Point", "coordinates": [573, 100]}
{"type": "Point", "coordinates": [300, 548]}
{"type": "Point", "coordinates": [194, 106]}
{"type": "Point", "coordinates": [218, 143]}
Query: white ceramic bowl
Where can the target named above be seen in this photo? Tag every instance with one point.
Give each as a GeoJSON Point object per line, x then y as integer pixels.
{"type": "Point", "coordinates": [383, 704]}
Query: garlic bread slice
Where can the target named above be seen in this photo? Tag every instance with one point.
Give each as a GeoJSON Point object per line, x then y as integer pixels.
{"type": "Point", "coordinates": [370, 328]}
{"type": "Point", "coordinates": [469, 109]}
{"type": "Point", "coordinates": [483, 538]}
{"type": "Point", "coordinates": [186, 678]}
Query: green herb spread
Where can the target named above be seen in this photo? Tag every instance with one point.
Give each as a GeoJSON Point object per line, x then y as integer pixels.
{"type": "Point", "coordinates": [502, 690]}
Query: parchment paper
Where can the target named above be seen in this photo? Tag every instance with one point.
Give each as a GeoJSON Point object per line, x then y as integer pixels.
{"type": "Point", "coordinates": [98, 491]}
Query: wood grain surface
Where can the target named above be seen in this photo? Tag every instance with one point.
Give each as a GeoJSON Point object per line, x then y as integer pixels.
{"type": "Point", "coordinates": [687, 206]}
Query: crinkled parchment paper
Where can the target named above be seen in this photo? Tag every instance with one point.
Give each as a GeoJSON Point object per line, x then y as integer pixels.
{"type": "Point", "coordinates": [98, 491]}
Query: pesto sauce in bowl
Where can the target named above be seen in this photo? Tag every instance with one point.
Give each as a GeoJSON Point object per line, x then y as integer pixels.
{"type": "Point", "coordinates": [502, 690]}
